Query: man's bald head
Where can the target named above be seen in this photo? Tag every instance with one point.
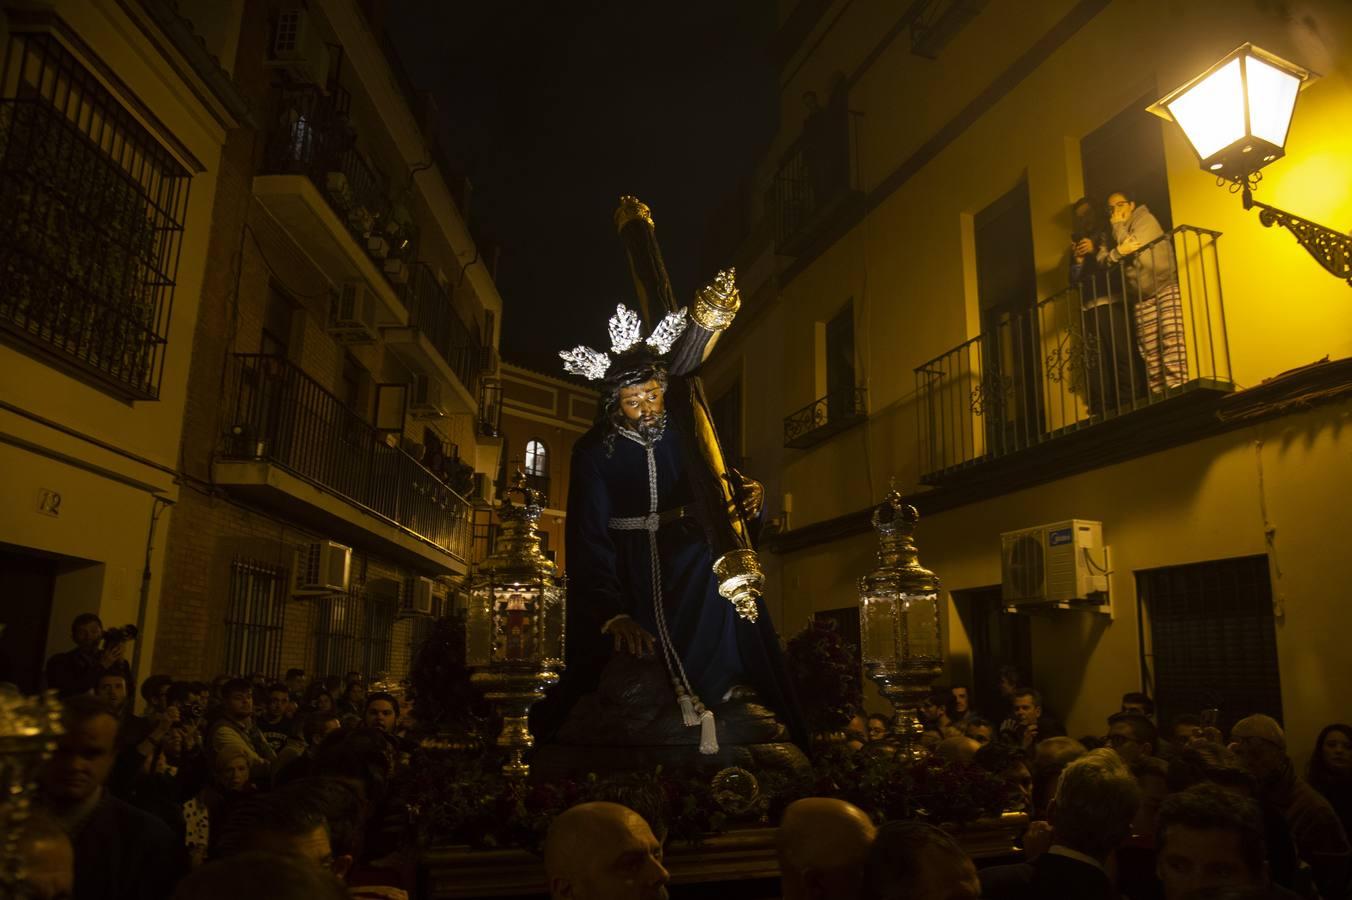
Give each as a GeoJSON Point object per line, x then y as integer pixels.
{"type": "Point", "coordinates": [822, 845]}
{"type": "Point", "coordinates": [603, 851]}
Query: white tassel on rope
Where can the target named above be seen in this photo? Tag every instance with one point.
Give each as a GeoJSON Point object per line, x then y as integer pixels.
{"type": "Point", "coordinates": [688, 716]}
{"type": "Point", "coordinates": [708, 733]}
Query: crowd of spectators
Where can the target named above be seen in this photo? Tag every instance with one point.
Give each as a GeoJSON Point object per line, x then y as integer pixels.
{"type": "Point", "coordinates": [281, 789]}
{"type": "Point", "coordinates": [211, 779]}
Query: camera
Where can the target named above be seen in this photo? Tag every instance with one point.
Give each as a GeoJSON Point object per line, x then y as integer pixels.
{"type": "Point", "coordinates": [114, 636]}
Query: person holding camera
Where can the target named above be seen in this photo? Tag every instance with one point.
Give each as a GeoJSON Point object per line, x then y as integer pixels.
{"type": "Point", "coordinates": [77, 671]}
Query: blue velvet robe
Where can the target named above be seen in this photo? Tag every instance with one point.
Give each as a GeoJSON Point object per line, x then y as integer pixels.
{"type": "Point", "coordinates": [609, 573]}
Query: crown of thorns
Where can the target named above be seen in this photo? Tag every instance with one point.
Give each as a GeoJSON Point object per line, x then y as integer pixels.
{"type": "Point", "coordinates": [626, 330]}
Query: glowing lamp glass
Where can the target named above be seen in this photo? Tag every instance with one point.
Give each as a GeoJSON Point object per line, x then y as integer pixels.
{"type": "Point", "coordinates": [1237, 114]}
{"type": "Point", "coordinates": [1211, 113]}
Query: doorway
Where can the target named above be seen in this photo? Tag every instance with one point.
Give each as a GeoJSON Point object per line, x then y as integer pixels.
{"type": "Point", "coordinates": [1010, 389]}
{"type": "Point", "coordinates": [30, 582]}
{"type": "Point", "coordinates": [998, 639]}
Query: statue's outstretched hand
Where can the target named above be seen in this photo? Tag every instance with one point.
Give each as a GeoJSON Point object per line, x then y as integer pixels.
{"type": "Point", "coordinates": [752, 494]}
{"type": "Point", "coordinates": [631, 637]}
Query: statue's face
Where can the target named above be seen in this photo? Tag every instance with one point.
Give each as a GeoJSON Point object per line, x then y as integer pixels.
{"type": "Point", "coordinates": [642, 404]}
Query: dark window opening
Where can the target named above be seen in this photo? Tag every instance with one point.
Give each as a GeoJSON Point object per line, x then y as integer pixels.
{"type": "Point", "coordinates": [998, 639]}
{"type": "Point", "coordinates": [254, 618]}
{"type": "Point", "coordinates": [1127, 154]}
{"type": "Point", "coordinates": [1213, 638]}
{"type": "Point", "coordinates": [1010, 353]}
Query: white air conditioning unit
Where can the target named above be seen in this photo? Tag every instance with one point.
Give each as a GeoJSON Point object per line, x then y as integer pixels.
{"type": "Point", "coordinates": [418, 599]}
{"type": "Point", "coordinates": [1061, 564]}
{"type": "Point", "coordinates": [426, 400]}
{"type": "Point", "coordinates": [322, 568]}
{"type": "Point", "coordinates": [352, 318]}
{"type": "Point", "coordinates": [299, 49]}
{"type": "Point", "coordinates": [396, 270]}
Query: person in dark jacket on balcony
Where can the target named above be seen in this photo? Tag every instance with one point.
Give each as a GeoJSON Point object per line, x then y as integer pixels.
{"type": "Point", "coordinates": [1113, 373]}
{"type": "Point", "coordinates": [1146, 255]}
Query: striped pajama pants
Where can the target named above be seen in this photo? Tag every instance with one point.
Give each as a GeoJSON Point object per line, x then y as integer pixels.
{"type": "Point", "coordinates": [1161, 339]}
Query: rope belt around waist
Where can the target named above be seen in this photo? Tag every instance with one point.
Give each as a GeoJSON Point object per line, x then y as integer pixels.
{"type": "Point", "coordinates": [650, 522]}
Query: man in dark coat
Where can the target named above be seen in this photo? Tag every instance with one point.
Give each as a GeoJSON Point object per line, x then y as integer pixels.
{"type": "Point", "coordinates": [121, 853]}
{"type": "Point", "coordinates": [77, 671]}
{"type": "Point", "coordinates": [1095, 802]}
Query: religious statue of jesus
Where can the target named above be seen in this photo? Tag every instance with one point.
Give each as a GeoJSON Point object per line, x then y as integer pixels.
{"type": "Point", "coordinates": [648, 573]}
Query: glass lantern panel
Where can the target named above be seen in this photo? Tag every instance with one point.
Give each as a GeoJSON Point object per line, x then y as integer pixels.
{"type": "Point", "coordinates": [479, 626]}
{"type": "Point", "coordinates": [552, 626]}
{"type": "Point", "coordinates": [1272, 100]}
{"type": "Point", "coordinates": [516, 611]}
{"type": "Point", "coordinates": [919, 622]}
{"type": "Point", "coordinates": [878, 628]}
{"type": "Point", "coordinates": [1211, 112]}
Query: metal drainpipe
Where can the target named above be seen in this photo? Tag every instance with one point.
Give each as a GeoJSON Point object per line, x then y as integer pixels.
{"type": "Point", "coordinates": [157, 505]}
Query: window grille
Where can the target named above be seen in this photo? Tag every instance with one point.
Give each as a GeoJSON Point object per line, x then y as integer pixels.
{"type": "Point", "coordinates": [93, 210]}
{"type": "Point", "coordinates": [1214, 638]}
{"type": "Point", "coordinates": [254, 618]}
{"type": "Point", "coordinates": [354, 632]}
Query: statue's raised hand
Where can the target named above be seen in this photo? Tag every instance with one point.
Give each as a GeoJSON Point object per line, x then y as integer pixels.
{"type": "Point", "coordinates": [631, 637]}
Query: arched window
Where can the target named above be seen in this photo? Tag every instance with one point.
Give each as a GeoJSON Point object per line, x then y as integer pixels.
{"type": "Point", "coordinates": [537, 459]}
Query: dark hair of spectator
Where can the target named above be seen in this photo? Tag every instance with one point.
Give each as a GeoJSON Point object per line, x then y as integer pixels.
{"type": "Point", "coordinates": [1209, 807]}
{"type": "Point", "coordinates": [84, 619]}
{"type": "Point", "coordinates": [998, 757]}
{"type": "Point", "coordinates": [1208, 762]}
{"type": "Point", "coordinates": [256, 873]}
{"type": "Point", "coordinates": [1129, 196]}
{"type": "Point", "coordinates": [1028, 692]}
{"type": "Point", "coordinates": [251, 823]}
{"type": "Point", "coordinates": [880, 717]}
{"type": "Point", "coordinates": [1318, 772]}
{"type": "Point", "coordinates": [82, 708]}
{"type": "Point", "coordinates": [979, 722]}
{"type": "Point", "coordinates": [364, 755]}
{"type": "Point", "coordinates": [897, 857]}
{"type": "Point", "coordinates": [1142, 699]}
{"type": "Point", "coordinates": [294, 673]}
{"type": "Point", "coordinates": [154, 684]}
{"type": "Point", "coordinates": [381, 695]}
{"type": "Point", "coordinates": [278, 688]}
{"type": "Point", "coordinates": [1010, 674]}
{"type": "Point", "coordinates": [347, 691]}
{"type": "Point", "coordinates": [341, 802]}
{"type": "Point", "coordinates": [236, 686]}
{"type": "Point", "coordinates": [113, 673]}
{"type": "Point", "coordinates": [1142, 728]}
{"type": "Point", "coordinates": [1183, 719]}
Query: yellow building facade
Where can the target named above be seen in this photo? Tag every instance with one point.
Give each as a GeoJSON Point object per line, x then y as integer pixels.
{"type": "Point", "coordinates": [112, 123]}
{"type": "Point", "coordinates": [907, 318]}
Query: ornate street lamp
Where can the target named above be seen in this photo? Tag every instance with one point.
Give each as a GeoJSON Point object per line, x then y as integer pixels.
{"type": "Point", "coordinates": [1236, 115]}
{"type": "Point", "coordinates": [29, 728]}
{"type": "Point", "coordinates": [515, 633]}
{"type": "Point", "coordinates": [899, 622]}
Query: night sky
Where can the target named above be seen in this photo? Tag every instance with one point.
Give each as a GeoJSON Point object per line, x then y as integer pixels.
{"type": "Point", "coordinates": [556, 109]}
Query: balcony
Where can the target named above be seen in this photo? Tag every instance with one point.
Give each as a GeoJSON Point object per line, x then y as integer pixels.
{"type": "Point", "coordinates": [436, 340]}
{"type": "Point", "coordinates": [824, 417]}
{"type": "Point", "coordinates": [816, 182]}
{"type": "Point", "coordinates": [291, 445]}
{"type": "Point", "coordinates": [334, 203]}
{"type": "Point", "coordinates": [1069, 372]}
{"type": "Point", "coordinates": [93, 214]}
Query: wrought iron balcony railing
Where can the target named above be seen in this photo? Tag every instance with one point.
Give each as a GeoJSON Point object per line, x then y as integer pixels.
{"type": "Point", "coordinates": [1124, 337]}
{"type": "Point", "coordinates": [313, 136]}
{"type": "Point", "coordinates": [282, 416]}
{"type": "Point", "coordinates": [429, 310]}
{"type": "Point", "coordinates": [93, 211]}
{"type": "Point", "coordinates": [824, 417]}
{"type": "Point", "coordinates": [816, 175]}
